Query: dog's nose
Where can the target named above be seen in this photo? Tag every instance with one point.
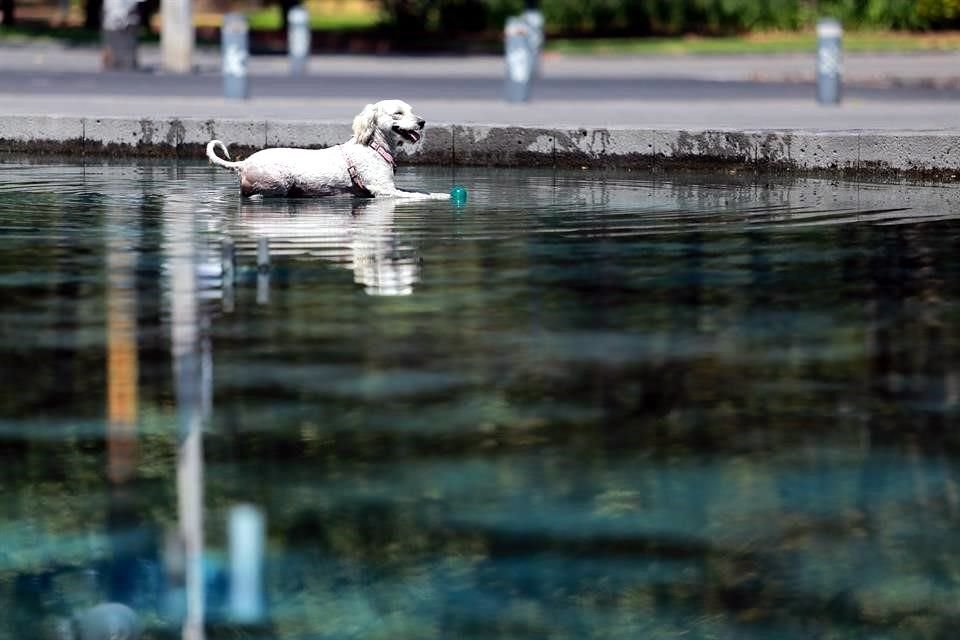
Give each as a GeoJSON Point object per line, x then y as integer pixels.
{"type": "Point", "coordinates": [421, 122]}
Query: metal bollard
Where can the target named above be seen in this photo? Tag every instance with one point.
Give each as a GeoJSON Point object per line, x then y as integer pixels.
{"type": "Point", "coordinates": [298, 39]}
{"type": "Point", "coordinates": [535, 21]}
{"type": "Point", "coordinates": [236, 51]}
{"type": "Point", "coordinates": [519, 59]}
{"type": "Point", "coordinates": [829, 51]}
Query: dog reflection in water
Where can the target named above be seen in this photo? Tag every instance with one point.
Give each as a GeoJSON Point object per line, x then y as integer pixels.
{"type": "Point", "coordinates": [361, 238]}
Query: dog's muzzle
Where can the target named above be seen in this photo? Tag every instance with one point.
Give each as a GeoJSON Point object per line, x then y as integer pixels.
{"type": "Point", "coordinates": [413, 135]}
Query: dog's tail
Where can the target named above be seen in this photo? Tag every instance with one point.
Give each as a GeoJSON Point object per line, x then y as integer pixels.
{"type": "Point", "coordinates": [215, 159]}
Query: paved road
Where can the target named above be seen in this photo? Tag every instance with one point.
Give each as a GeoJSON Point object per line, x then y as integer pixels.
{"type": "Point", "coordinates": [918, 91]}
{"type": "Point", "coordinates": [325, 84]}
{"type": "Point", "coordinates": [926, 68]}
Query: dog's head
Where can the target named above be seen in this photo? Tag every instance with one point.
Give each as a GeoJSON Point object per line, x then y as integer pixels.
{"type": "Point", "coordinates": [394, 118]}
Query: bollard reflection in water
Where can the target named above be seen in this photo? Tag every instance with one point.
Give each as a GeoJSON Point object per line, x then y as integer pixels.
{"type": "Point", "coordinates": [228, 269]}
{"type": "Point", "coordinates": [246, 532]}
{"type": "Point", "coordinates": [263, 270]}
{"type": "Point", "coordinates": [121, 351]}
{"type": "Point", "coordinates": [190, 359]}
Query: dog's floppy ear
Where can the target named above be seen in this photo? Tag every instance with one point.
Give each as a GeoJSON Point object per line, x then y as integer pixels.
{"type": "Point", "coordinates": [365, 124]}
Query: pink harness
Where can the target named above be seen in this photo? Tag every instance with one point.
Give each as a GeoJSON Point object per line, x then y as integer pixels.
{"type": "Point", "coordinates": [378, 144]}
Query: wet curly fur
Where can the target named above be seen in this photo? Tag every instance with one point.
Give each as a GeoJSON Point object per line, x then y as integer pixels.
{"type": "Point", "coordinates": [323, 172]}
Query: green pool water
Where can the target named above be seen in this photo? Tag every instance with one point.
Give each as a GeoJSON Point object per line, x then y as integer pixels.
{"type": "Point", "coordinates": [577, 405]}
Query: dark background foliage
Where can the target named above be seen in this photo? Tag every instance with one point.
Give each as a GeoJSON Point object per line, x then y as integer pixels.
{"type": "Point", "coordinates": [671, 17]}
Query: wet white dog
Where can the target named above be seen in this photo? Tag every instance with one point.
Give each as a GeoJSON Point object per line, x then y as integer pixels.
{"type": "Point", "coordinates": [363, 165]}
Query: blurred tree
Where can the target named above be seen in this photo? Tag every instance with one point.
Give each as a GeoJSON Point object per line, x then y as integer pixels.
{"type": "Point", "coordinates": [147, 9]}
{"type": "Point", "coordinates": [938, 13]}
{"type": "Point", "coordinates": [7, 8]}
{"type": "Point", "coordinates": [408, 16]}
{"type": "Point", "coordinates": [669, 17]}
{"type": "Point", "coordinates": [285, 6]}
{"type": "Point", "coordinates": [92, 14]}
{"type": "Point", "coordinates": [464, 15]}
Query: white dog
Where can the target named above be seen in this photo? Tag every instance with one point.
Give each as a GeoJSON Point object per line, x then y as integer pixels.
{"type": "Point", "coordinates": [363, 165]}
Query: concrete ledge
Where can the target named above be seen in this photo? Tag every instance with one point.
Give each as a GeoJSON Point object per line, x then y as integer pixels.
{"type": "Point", "coordinates": [40, 134]}
{"type": "Point", "coordinates": [931, 155]}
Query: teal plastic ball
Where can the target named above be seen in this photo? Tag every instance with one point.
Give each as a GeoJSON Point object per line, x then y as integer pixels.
{"type": "Point", "coordinates": [458, 193]}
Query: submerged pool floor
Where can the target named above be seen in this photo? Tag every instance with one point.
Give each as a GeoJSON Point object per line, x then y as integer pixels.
{"type": "Point", "coordinates": [582, 405]}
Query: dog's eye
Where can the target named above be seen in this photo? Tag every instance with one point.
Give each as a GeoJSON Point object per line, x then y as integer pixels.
{"type": "Point", "coordinates": [398, 114]}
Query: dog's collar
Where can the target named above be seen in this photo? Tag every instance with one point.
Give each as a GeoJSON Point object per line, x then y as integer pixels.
{"type": "Point", "coordinates": [382, 147]}
{"type": "Point", "coordinates": [356, 182]}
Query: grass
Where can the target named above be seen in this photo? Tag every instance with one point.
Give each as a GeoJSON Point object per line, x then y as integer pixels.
{"type": "Point", "coordinates": [269, 18]}
{"type": "Point", "coordinates": [66, 35]}
{"type": "Point", "coordinates": [345, 18]}
{"type": "Point", "coordinates": [758, 43]}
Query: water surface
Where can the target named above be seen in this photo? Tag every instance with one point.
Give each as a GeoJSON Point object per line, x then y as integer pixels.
{"type": "Point", "coordinates": [584, 405]}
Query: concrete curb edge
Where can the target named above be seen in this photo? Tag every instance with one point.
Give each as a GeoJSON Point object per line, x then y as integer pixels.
{"type": "Point", "coordinates": [931, 155]}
